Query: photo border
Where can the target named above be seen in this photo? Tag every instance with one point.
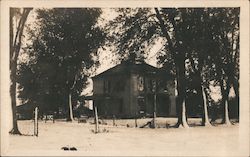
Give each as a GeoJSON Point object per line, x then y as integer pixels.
{"type": "Point", "coordinates": [244, 56]}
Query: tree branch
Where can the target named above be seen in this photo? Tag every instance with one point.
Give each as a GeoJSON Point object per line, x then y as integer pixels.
{"type": "Point", "coordinates": [164, 30]}
{"type": "Point", "coordinates": [17, 41]}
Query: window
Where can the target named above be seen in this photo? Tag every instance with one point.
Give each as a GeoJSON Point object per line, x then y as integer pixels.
{"type": "Point", "coordinates": [107, 86]}
{"type": "Point", "coordinates": [152, 85]}
{"type": "Point", "coordinates": [140, 83]}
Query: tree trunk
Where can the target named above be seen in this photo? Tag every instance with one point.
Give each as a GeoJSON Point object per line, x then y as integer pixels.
{"type": "Point", "coordinates": [15, 46]}
{"type": "Point", "coordinates": [226, 120]}
{"type": "Point", "coordinates": [205, 118]}
{"type": "Point", "coordinates": [225, 93]}
{"type": "Point", "coordinates": [181, 113]}
{"type": "Point", "coordinates": [70, 116]}
{"type": "Point", "coordinates": [181, 98]}
{"type": "Point", "coordinates": [13, 66]}
{"type": "Point", "coordinates": [201, 90]}
{"type": "Point", "coordinates": [179, 60]}
{"type": "Point", "coordinates": [15, 129]}
{"type": "Point", "coordinates": [154, 113]}
{"type": "Point", "coordinates": [184, 115]}
{"type": "Point", "coordinates": [236, 87]}
{"type": "Point", "coordinates": [96, 120]}
{"type": "Point", "coordinates": [232, 81]}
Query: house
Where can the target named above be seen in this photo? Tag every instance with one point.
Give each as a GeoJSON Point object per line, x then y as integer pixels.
{"type": "Point", "coordinates": [131, 89]}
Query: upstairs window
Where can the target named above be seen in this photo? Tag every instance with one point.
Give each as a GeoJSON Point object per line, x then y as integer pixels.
{"type": "Point", "coordinates": [140, 83]}
{"type": "Point", "coordinates": [152, 85]}
{"type": "Point", "coordinates": [107, 86]}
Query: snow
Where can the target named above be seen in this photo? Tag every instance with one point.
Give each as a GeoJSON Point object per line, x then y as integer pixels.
{"type": "Point", "coordinates": [123, 141]}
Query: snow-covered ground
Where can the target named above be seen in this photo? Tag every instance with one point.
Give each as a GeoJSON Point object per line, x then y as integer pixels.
{"type": "Point", "coordinates": [123, 140]}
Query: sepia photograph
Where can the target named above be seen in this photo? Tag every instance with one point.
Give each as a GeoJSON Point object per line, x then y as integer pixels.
{"type": "Point", "coordinates": [99, 78]}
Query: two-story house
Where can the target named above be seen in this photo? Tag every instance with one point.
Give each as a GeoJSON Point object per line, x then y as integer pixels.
{"type": "Point", "coordinates": [131, 89]}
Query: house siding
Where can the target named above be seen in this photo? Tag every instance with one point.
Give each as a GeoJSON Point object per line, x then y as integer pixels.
{"type": "Point", "coordinates": [124, 96]}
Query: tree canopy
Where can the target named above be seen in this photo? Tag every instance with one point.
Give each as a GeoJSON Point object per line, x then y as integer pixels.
{"type": "Point", "coordinates": [63, 46]}
{"type": "Point", "coordinates": [198, 42]}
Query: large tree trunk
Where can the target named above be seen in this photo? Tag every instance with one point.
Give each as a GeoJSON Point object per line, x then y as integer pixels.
{"type": "Point", "coordinates": [179, 60]}
{"type": "Point", "coordinates": [205, 118]}
{"type": "Point", "coordinates": [15, 129]}
{"type": "Point", "coordinates": [181, 113]}
{"type": "Point", "coordinates": [181, 98]}
{"type": "Point", "coordinates": [201, 90]}
{"type": "Point", "coordinates": [15, 45]}
{"type": "Point", "coordinates": [236, 87]}
{"type": "Point", "coordinates": [225, 94]}
{"type": "Point", "coordinates": [226, 119]}
{"type": "Point", "coordinates": [203, 94]}
{"type": "Point", "coordinates": [70, 113]}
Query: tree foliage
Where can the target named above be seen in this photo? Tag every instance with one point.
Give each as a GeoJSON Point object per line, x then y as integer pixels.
{"type": "Point", "coordinates": [63, 45]}
{"type": "Point", "coordinates": [201, 44]}
{"type": "Point", "coordinates": [133, 31]}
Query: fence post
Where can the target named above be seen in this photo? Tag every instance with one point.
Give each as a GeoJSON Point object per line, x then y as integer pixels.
{"type": "Point", "coordinates": [96, 121]}
{"type": "Point", "coordinates": [36, 122]}
{"type": "Point", "coordinates": [154, 114]}
{"type": "Point", "coordinates": [136, 122]}
{"type": "Point", "coordinates": [154, 90]}
{"type": "Point", "coordinates": [113, 120]}
{"type": "Point", "coordinates": [34, 114]}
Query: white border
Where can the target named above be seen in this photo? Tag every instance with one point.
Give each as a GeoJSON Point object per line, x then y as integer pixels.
{"type": "Point", "coordinates": [244, 52]}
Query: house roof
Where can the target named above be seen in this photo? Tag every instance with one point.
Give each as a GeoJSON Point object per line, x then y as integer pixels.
{"type": "Point", "coordinates": [127, 67]}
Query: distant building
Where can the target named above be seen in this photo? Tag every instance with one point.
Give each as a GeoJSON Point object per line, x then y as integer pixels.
{"type": "Point", "coordinates": [128, 90]}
